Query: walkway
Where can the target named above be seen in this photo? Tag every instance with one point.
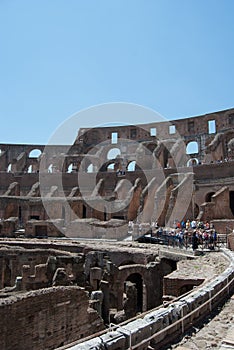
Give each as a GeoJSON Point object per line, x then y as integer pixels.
{"type": "Point", "coordinates": [217, 333]}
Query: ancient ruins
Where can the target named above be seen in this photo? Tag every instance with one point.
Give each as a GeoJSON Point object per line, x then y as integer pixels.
{"type": "Point", "coordinates": [69, 265]}
{"type": "Point", "coordinates": [154, 169]}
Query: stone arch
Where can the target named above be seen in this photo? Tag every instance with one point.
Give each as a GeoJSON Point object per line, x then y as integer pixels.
{"type": "Point", "coordinates": [91, 168]}
{"type": "Point", "coordinates": [51, 168]}
{"type": "Point", "coordinates": [113, 153]}
{"type": "Point", "coordinates": [131, 166]}
{"type": "Point", "coordinates": [192, 162]}
{"type": "Point", "coordinates": [71, 168]}
{"type": "Point", "coordinates": [111, 167]}
{"type": "Point", "coordinates": [137, 279]}
{"type": "Point", "coordinates": [192, 147]}
{"type": "Point", "coordinates": [34, 153]}
{"type": "Point", "coordinates": [9, 168]}
{"type": "Point", "coordinates": [135, 274]}
{"type": "Point", "coordinates": [30, 169]}
{"type": "Point", "coordinates": [89, 165]}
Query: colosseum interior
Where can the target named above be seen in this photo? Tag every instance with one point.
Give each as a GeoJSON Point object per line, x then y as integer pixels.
{"type": "Point", "coordinates": [70, 266]}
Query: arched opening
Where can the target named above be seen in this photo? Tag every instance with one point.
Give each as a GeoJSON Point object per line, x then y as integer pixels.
{"type": "Point", "coordinates": [136, 279]}
{"type": "Point", "coordinates": [35, 153]}
{"type": "Point", "coordinates": [192, 147]}
{"type": "Point", "coordinates": [30, 169]}
{"type": "Point", "coordinates": [9, 168]}
{"type": "Point", "coordinates": [209, 196]}
{"type": "Point", "coordinates": [131, 166]}
{"type": "Point", "coordinates": [231, 198]}
{"type": "Point", "coordinates": [70, 168]}
{"type": "Point", "coordinates": [111, 167]}
{"type": "Point", "coordinates": [50, 168]}
{"type": "Point", "coordinates": [192, 162]}
{"type": "Point", "coordinates": [90, 168]}
{"type": "Point", "coordinates": [113, 153]}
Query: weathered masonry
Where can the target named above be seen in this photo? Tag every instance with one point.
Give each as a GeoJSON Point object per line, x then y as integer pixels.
{"type": "Point", "coordinates": [163, 171]}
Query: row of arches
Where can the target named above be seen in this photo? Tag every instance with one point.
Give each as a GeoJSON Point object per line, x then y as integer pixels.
{"type": "Point", "coordinates": [113, 153]}
{"type": "Point", "coordinates": [191, 148]}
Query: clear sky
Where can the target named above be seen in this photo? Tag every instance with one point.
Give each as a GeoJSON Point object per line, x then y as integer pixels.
{"type": "Point", "coordinates": [60, 56]}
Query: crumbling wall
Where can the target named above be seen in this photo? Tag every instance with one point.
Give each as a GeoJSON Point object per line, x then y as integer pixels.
{"type": "Point", "coordinates": [46, 319]}
{"type": "Point", "coordinates": [219, 207]}
{"type": "Point", "coordinates": [163, 323]}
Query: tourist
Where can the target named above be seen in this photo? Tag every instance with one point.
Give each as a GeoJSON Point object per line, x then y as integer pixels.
{"type": "Point", "coordinates": [187, 225]}
{"type": "Point", "coordinates": [194, 240]}
{"type": "Point", "coordinates": [193, 224]}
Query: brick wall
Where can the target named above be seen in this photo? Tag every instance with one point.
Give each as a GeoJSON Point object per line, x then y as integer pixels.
{"type": "Point", "coordinates": [46, 318]}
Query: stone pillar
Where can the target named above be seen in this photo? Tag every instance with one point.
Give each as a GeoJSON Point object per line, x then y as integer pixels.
{"type": "Point", "coordinates": [104, 286]}
{"type": "Point", "coordinates": [95, 277]}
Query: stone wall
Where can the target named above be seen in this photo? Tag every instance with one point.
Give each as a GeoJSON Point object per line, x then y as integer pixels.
{"type": "Point", "coordinates": [12, 261]}
{"type": "Point", "coordinates": [46, 319]}
{"type": "Point", "coordinates": [163, 322]}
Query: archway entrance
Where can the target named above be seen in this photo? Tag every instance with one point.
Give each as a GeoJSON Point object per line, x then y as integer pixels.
{"type": "Point", "coordinates": [136, 279]}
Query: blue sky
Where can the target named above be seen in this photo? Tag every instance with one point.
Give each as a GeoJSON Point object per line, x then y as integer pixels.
{"type": "Point", "coordinates": [58, 57]}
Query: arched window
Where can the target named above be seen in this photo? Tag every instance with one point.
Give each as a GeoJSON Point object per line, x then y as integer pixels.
{"type": "Point", "coordinates": [35, 153]}
{"type": "Point", "coordinates": [132, 166]}
{"type": "Point", "coordinates": [192, 147]}
{"type": "Point", "coordinates": [111, 167]}
{"type": "Point", "coordinates": [70, 167]}
{"type": "Point", "coordinates": [90, 168]}
{"type": "Point", "coordinates": [30, 169]}
{"type": "Point", "coordinates": [113, 153]}
{"type": "Point", "coordinates": [50, 168]}
{"type": "Point", "coordinates": [9, 168]}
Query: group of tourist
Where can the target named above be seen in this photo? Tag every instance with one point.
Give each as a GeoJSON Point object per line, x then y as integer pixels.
{"type": "Point", "coordinates": [190, 233]}
{"type": "Point", "coordinates": [183, 234]}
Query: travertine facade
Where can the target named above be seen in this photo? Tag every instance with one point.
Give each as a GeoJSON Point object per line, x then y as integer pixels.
{"type": "Point", "coordinates": [158, 165]}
